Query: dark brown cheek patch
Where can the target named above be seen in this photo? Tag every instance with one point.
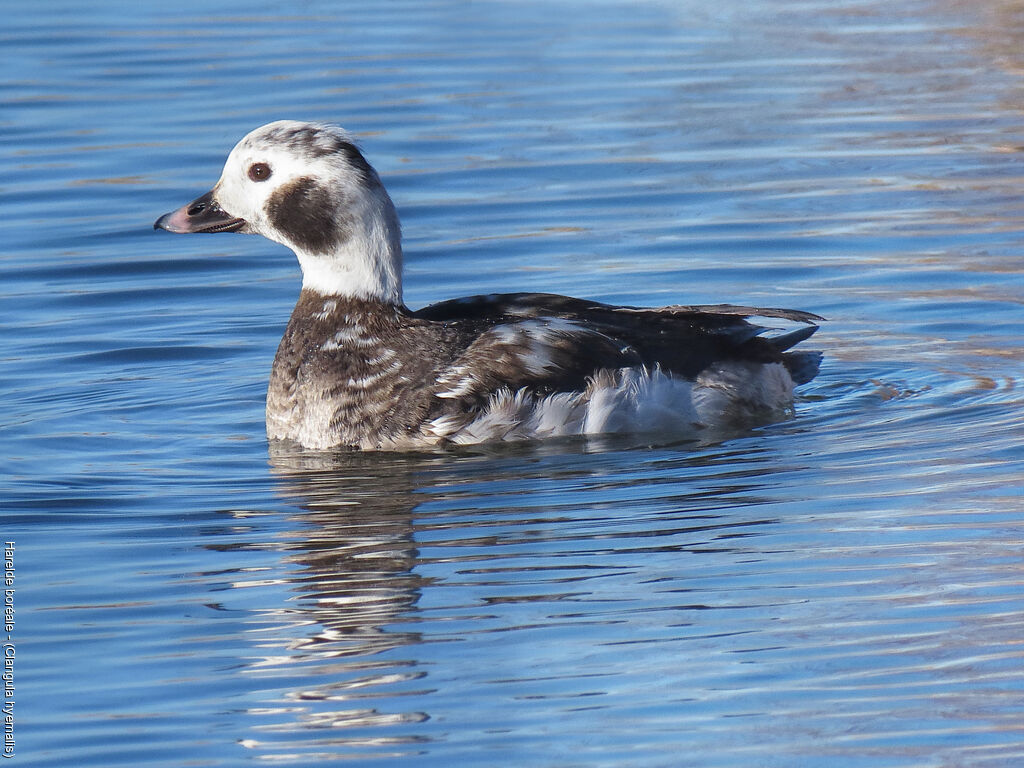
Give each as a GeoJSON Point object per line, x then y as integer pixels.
{"type": "Point", "coordinates": [307, 215]}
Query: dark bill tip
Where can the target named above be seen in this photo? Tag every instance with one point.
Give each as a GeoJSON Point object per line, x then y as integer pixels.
{"type": "Point", "coordinates": [203, 214]}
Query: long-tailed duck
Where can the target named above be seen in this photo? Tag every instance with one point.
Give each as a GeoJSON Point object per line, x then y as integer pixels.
{"type": "Point", "coordinates": [357, 368]}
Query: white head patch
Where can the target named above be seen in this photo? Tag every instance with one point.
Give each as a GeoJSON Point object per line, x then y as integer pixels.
{"type": "Point", "coordinates": [307, 186]}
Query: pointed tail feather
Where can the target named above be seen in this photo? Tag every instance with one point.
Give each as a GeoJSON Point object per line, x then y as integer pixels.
{"type": "Point", "coordinates": [791, 339]}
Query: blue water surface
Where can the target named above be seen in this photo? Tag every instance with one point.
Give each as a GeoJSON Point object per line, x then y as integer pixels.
{"type": "Point", "coordinates": [843, 588]}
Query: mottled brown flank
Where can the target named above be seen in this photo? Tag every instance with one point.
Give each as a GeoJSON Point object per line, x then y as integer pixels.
{"type": "Point", "coordinates": [381, 378]}
{"type": "Point", "coordinates": [307, 213]}
{"type": "Point", "coordinates": [313, 386]}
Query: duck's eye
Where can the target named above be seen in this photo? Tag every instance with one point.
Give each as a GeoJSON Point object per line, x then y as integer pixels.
{"type": "Point", "coordinates": [259, 171]}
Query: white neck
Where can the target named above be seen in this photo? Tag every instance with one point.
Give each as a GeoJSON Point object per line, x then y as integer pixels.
{"type": "Point", "coordinates": [366, 264]}
{"type": "Point", "coordinates": [352, 271]}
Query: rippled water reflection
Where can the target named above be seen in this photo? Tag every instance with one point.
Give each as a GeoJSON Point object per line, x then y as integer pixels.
{"type": "Point", "coordinates": [844, 587]}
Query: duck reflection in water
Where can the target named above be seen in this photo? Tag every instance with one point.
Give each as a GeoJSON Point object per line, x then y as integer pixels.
{"type": "Point", "coordinates": [357, 552]}
{"type": "Point", "coordinates": [350, 567]}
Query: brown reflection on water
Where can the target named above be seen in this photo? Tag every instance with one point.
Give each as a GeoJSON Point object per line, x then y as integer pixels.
{"type": "Point", "coordinates": [354, 569]}
{"type": "Point", "coordinates": [351, 574]}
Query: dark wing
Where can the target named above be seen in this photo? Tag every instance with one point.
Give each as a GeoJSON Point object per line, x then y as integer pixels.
{"type": "Point", "coordinates": [543, 354]}
{"type": "Point", "coordinates": [509, 305]}
{"type": "Point", "coordinates": [682, 339]}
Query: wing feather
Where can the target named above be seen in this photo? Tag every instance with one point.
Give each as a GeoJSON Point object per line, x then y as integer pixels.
{"type": "Point", "coordinates": [683, 340]}
{"type": "Point", "coordinates": [543, 354]}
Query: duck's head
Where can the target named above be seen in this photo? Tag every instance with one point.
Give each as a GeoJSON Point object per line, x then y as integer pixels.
{"type": "Point", "coordinates": [307, 186]}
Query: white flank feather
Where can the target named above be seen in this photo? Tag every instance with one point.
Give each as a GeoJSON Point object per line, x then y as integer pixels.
{"type": "Point", "coordinates": [631, 400]}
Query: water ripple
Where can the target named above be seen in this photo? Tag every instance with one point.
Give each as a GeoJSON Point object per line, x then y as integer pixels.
{"type": "Point", "coordinates": [840, 587]}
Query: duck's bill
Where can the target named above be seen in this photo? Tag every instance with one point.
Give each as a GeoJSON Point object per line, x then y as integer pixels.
{"type": "Point", "coordinates": [203, 214]}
